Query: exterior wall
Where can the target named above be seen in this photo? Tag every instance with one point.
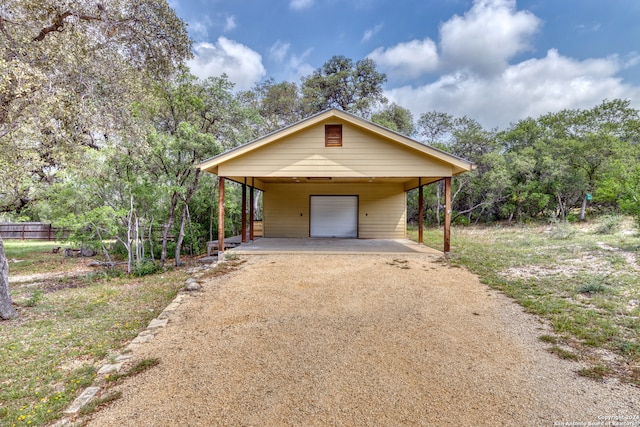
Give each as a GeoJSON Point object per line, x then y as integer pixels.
{"type": "Point", "coordinates": [362, 155]}
{"type": "Point", "coordinates": [381, 210]}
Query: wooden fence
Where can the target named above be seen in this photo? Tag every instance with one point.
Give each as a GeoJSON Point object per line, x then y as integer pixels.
{"type": "Point", "coordinates": [31, 231]}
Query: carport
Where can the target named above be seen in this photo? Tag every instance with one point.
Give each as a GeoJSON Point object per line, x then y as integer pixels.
{"type": "Point", "coordinates": [333, 175]}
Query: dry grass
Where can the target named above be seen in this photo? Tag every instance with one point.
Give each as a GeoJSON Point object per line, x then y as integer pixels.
{"type": "Point", "coordinates": [71, 319]}
{"type": "Point", "coordinates": [581, 278]}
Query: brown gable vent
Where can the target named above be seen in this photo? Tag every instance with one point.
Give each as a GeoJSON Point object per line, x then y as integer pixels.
{"type": "Point", "coordinates": [333, 135]}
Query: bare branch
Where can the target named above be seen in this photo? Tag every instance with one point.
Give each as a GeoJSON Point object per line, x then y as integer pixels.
{"type": "Point", "coordinates": [4, 31]}
{"type": "Point", "coordinates": [461, 186]}
{"type": "Point", "coordinates": [58, 24]}
{"type": "Point", "coordinates": [470, 209]}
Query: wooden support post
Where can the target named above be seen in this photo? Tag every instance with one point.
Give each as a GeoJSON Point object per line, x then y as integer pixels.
{"type": "Point", "coordinates": [220, 216]}
{"type": "Point", "coordinates": [251, 211]}
{"type": "Point", "coordinates": [420, 212]}
{"type": "Point", "coordinates": [447, 216]}
{"type": "Point", "coordinates": [244, 212]}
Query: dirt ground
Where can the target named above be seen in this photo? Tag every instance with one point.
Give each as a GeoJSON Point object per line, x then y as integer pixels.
{"type": "Point", "coordinates": [349, 340]}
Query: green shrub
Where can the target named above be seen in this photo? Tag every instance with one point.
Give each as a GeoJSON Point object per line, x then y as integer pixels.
{"type": "Point", "coordinates": [107, 273]}
{"type": "Point", "coordinates": [592, 288]}
{"type": "Point", "coordinates": [461, 220]}
{"type": "Point", "coordinates": [609, 224]}
{"type": "Point", "coordinates": [146, 267]}
{"type": "Point", "coordinates": [563, 231]}
{"type": "Point", "coordinates": [35, 298]}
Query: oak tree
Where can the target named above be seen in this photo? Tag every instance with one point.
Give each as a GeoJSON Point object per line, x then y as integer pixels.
{"type": "Point", "coordinates": [355, 87]}
{"type": "Point", "coordinates": [69, 73]}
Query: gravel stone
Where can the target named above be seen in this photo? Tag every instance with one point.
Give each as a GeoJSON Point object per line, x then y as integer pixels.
{"type": "Point", "coordinates": [358, 340]}
{"type": "Point", "coordinates": [157, 324]}
{"type": "Point", "coordinates": [193, 286]}
{"type": "Point", "coordinates": [82, 400]}
{"type": "Point", "coordinates": [143, 339]}
{"type": "Point", "coordinates": [109, 368]}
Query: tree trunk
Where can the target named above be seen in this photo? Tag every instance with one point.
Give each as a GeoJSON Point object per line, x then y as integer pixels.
{"type": "Point", "coordinates": [447, 216]}
{"type": "Point", "coordinates": [583, 208]}
{"type": "Point", "coordinates": [183, 220]}
{"type": "Point", "coordinates": [165, 235]}
{"type": "Point", "coordinates": [256, 203]}
{"type": "Point", "coordinates": [183, 217]}
{"type": "Point", "coordinates": [212, 211]}
{"type": "Point", "coordinates": [151, 240]}
{"type": "Point", "coordinates": [190, 232]}
{"type": "Point", "coordinates": [438, 205]}
{"type": "Point", "coordinates": [6, 310]}
{"type": "Point", "coordinates": [560, 207]}
{"type": "Point", "coordinates": [129, 239]}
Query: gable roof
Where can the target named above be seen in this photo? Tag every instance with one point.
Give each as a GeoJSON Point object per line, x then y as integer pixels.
{"type": "Point", "coordinates": [457, 164]}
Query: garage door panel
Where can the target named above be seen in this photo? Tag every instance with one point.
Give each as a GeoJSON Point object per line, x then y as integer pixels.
{"type": "Point", "coordinates": [334, 216]}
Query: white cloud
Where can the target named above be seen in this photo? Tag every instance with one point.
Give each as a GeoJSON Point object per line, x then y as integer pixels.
{"type": "Point", "coordinates": [489, 34]}
{"type": "Point", "coordinates": [528, 89]}
{"type": "Point", "coordinates": [230, 23]}
{"type": "Point", "coordinates": [292, 66]}
{"type": "Point", "coordinates": [200, 29]}
{"type": "Point", "coordinates": [632, 60]}
{"type": "Point", "coordinates": [300, 4]}
{"type": "Point", "coordinates": [477, 79]}
{"type": "Point", "coordinates": [482, 41]}
{"type": "Point", "coordinates": [241, 64]}
{"type": "Point", "coordinates": [297, 66]}
{"type": "Point", "coordinates": [588, 28]}
{"type": "Point", "coordinates": [409, 59]}
{"type": "Point", "coordinates": [279, 50]}
{"type": "Point", "coordinates": [368, 34]}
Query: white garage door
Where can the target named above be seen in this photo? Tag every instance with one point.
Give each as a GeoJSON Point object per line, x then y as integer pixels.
{"type": "Point", "coordinates": [334, 216]}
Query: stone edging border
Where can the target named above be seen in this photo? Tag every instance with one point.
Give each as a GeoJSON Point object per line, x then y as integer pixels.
{"type": "Point", "coordinates": [147, 335]}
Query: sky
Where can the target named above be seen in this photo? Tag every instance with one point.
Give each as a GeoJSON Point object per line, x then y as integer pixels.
{"type": "Point", "coordinates": [496, 61]}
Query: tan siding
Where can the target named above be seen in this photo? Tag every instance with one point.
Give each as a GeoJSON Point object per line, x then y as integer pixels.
{"type": "Point", "coordinates": [282, 206]}
{"type": "Point", "coordinates": [304, 154]}
{"type": "Point", "coordinates": [381, 210]}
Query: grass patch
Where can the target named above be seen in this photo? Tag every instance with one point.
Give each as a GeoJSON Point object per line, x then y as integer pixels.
{"type": "Point", "coordinates": [581, 278]}
{"type": "Point", "coordinates": [592, 288]}
{"type": "Point", "coordinates": [597, 372]}
{"type": "Point", "coordinates": [563, 354]}
{"type": "Point", "coordinates": [34, 299]}
{"type": "Point", "coordinates": [136, 369]}
{"type": "Point", "coordinates": [562, 231]}
{"type": "Point", "coordinates": [31, 257]}
{"type": "Point", "coordinates": [67, 326]}
{"type": "Point", "coordinates": [549, 339]}
{"type": "Point", "coordinates": [609, 224]}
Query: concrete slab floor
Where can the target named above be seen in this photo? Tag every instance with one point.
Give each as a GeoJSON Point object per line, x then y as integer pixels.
{"type": "Point", "coordinates": [344, 246]}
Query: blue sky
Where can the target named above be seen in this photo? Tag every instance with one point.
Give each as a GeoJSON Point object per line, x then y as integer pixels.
{"type": "Point", "coordinates": [497, 61]}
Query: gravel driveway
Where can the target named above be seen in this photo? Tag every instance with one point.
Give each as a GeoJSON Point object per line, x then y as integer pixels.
{"type": "Point", "coordinates": [347, 340]}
